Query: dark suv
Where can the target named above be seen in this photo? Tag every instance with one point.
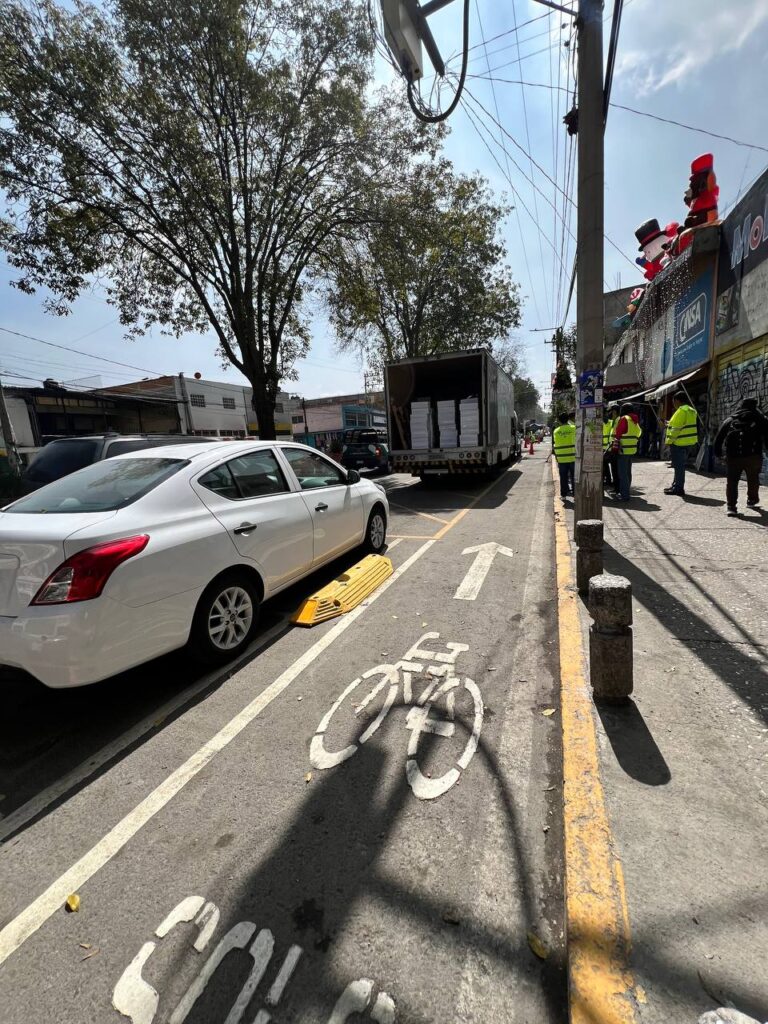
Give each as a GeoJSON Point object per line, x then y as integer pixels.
{"type": "Point", "coordinates": [365, 449]}
{"type": "Point", "coordinates": [66, 454]}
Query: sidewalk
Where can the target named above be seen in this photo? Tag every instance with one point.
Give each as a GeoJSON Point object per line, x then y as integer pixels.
{"type": "Point", "coordinates": [685, 765]}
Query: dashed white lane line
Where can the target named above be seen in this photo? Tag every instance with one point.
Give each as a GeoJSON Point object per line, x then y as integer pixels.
{"type": "Point", "coordinates": [17, 931]}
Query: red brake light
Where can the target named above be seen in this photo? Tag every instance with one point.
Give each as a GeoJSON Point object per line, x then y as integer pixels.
{"type": "Point", "coordinates": [378, 451]}
{"type": "Point", "coordinates": [83, 576]}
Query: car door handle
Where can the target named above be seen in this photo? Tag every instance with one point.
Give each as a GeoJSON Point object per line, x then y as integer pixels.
{"type": "Point", "coordinates": [244, 528]}
{"type": "Point", "coordinates": [321, 507]}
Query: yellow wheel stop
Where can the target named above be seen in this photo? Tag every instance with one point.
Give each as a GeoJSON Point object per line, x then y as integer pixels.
{"type": "Point", "coordinates": [346, 592]}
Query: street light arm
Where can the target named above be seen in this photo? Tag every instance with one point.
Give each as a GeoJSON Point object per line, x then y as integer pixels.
{"type": "Point", "coordinates": [434, 5]}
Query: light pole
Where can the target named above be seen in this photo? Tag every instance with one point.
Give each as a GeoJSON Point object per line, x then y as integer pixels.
{"type": "Point", "coordinates": [589, 255]}
{"type": "Point", "coordinates": [405, 30]}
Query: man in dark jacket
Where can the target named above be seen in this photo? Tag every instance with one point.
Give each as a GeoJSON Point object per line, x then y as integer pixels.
{"type": "Point", "coordinates": [742, 438]}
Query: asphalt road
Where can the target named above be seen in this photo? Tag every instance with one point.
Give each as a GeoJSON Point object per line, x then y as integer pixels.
{"type": "Point", "coordinates": [358, 822]}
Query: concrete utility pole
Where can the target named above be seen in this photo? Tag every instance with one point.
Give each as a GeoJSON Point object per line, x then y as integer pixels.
{"type": "Point", "coordinates": [589, 249]}
{"type": "Point", "coordinates": [8, 436]}
{"type": "Point", "coordinates": [185, 402]}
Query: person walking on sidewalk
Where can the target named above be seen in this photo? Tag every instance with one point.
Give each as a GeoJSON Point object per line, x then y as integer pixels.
{"type": "Point", "coordinates": [564, 447]}
{"type": "Point", "coordinates": [744, 436]}
{"type": "Point", "coordinates": [682, 435]}
{"type": "Point", "coordinates": [610, 469]}
{"type": "Point", "coordinates": [628, 435]}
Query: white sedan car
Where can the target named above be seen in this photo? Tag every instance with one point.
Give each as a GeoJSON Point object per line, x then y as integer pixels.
{"type": "Point", "coordinates": [147, 552]}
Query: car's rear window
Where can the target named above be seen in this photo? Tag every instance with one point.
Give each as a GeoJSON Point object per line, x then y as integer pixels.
{"type": "Point", "coordinates": [135, 444]}
{"type": "Point", "coordinates": [103, 487]}
{"type": "Point", "coordinates": [59, 458]}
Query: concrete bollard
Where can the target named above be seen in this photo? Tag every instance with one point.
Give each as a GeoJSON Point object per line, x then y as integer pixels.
{"type": "Point", "coordinates": [610, 638]}
{"type": "Point", "coordinates": [589, 552]}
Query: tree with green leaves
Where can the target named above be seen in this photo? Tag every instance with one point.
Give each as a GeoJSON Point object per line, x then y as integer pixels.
{"type": "Point", "coordinates": [426, 274]}
{"type": "Point", "coordinates": [199, 160]}
{"type": "Point", "coordinates": [526, 398]}
{"type": "Point", "coordinates": [563, 391]}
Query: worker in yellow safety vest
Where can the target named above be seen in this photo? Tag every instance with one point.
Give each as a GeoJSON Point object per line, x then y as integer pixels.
{"type": "Point", "coordinates": [564, 447]}
{"type": "Point", "coordinates": [682, 435]}
{"type": "Point", "coordinates": [627, 438]}
{"type": "Point", "coordinates": [610, 468]}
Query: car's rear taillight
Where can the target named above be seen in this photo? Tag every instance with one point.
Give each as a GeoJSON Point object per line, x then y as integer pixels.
{"type": "Point", "coordinates": [378, 451]}
{"type": "Point", "coordinates": [83, 576]}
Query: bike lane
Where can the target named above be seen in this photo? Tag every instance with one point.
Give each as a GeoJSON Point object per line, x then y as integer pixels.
{"type": "Point", "coordinates": [325, 868]}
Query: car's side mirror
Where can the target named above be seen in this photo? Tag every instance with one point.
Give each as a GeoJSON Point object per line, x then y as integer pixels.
{"type": "Point", "coordinates": [353, 477]}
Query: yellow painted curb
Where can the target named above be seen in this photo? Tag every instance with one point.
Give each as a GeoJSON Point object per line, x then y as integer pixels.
{"type": "Point", "coordinates": [346, 592]}
{"type": "Point", "coordinates": [601, 987]}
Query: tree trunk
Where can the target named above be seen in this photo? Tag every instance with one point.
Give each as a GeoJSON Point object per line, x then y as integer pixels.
{"type": "Point", "coordinates": [264, 407]}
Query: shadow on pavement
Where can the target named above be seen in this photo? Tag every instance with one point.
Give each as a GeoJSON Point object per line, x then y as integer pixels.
{"type": "Point", "coordinates": [743, 675]}
{"type": "Point", "coordinates": [450, 494]}
{"type": "Point", "coordinates": [635, 504]}
{"type": "Point", "coordinates": [633, 744]}
{"type": "Point", "coordinates": [696, 499]}
{"type": "Point", "coordinates": [57, 731]}
{"type": "Point", "coordinates": [310, 889]}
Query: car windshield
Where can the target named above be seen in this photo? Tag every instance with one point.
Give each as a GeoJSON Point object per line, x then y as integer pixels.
{"type": "Point", "coordinates": [59, 458]}
{"type": "Point", "coordinates": [103, 487]}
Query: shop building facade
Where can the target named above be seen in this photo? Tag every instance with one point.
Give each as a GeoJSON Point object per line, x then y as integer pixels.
{"type": "Point", "coordinates": [321, 421]}
{"type": "Point", "coordinates": [211, 408]}
{"type": "Point", "coordinates": [740, 355]}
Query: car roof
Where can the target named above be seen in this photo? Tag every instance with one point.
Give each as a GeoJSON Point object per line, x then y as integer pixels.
{"type": "Point", "coordinates": [113, 437]}
{"type": "Point", "coordinates": [192, 450]}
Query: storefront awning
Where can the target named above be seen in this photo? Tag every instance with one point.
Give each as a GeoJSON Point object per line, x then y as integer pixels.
{"type": "Point", "coordinates": [637, 394]}
{"type": "Point", "coordinates": [671, 385]}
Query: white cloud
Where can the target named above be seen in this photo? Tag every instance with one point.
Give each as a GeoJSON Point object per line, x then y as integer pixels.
{"type": "Point", "coordinates": [680, 38]}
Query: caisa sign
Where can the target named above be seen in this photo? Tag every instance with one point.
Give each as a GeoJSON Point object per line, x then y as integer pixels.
{"type": "Point", "coordinates": [690, 345]}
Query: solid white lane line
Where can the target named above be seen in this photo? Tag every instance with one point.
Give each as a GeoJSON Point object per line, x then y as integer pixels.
{"type": "Point", "coordinates": [26, 812]}
{"type": "Point", "coordinates": [17, 931]}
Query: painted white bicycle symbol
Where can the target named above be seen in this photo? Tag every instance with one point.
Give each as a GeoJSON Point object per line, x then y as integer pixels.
{"type": "Point", "coordinates": [442, 688]}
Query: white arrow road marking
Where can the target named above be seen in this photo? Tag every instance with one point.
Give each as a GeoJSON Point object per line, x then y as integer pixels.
{"type": "Point", "coordinates": [473, 581]}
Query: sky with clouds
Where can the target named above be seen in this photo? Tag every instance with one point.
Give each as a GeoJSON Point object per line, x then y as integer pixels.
{"type": "Point", "coordinates": [700, 62]}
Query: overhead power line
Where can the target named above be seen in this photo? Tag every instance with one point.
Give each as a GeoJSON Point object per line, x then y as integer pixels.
{"type": "Point", "coordinates": [527, 137]}
{"type": "Point", "coordinates": [509, 177]}
{"type": "Point", "coordinates": [515, 192]}
{"type": "Point", "coordinates": [142, 369]}
{"type": "Point", "coordinates": [541, 169]}
{"type": "Point", "coordinates": [690, 128]}
{"type": "Point", "coordinates": [80, 352]}
{"type": "Point", "coordinates": [631, 110]}
{"type": "Point", "coordinates": [613, 47]}
{"type": "Point", "coordinates": [510, 31]}
{"type": "Point", "coordinates": [434, 117]}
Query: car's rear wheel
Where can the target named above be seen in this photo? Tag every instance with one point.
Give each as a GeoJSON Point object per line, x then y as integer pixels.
{"type": "Point", "coordinates": [376, 531]}
{"type": "Point", "coordinates": [226, 618]}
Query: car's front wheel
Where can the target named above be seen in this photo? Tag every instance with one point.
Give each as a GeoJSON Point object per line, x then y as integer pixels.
{"type": "Point", "coordinates": [376, 531]}
{"type": "Point", "coordinates": [226, 618]}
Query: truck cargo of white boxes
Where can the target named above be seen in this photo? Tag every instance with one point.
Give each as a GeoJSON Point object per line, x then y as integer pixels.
{"type": "Point", "coordinates": [450, 413]}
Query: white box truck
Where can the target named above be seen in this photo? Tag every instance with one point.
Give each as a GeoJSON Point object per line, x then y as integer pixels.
{"type": "Point", "coordinates": [450, 414]}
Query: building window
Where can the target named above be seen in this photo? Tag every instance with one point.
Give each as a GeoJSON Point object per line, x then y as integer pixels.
{"type": "Point", "coordinates": [198, 400]}
{"type": "Point", "coordinates": [297, 419]}
{"type": "Point", "coordinates": [229, 403]}
{"type": "Point", "coordinates": [278, 406]}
